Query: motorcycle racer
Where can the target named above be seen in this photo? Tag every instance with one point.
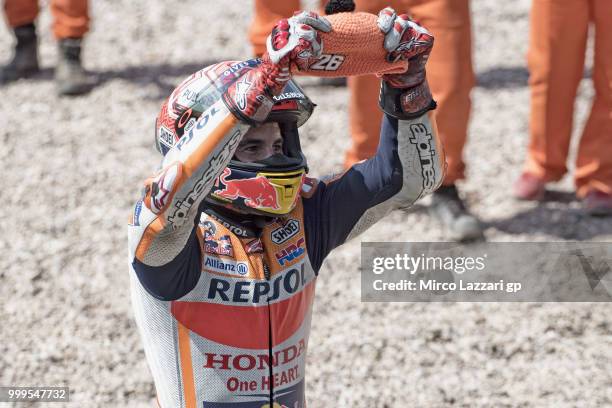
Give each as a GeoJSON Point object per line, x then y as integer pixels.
{"type": "Point", "coordinates": [226, 244]}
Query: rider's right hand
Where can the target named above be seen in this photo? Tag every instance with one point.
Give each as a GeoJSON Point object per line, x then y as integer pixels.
{"type": "Point", "coordinates": [295, 43]}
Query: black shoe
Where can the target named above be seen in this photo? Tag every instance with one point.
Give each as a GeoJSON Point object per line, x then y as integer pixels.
{"type": "Point", "coordinates": [447, 206]}
{"type": "Point", "coordinates": [70, 77]}
{"type": "Point", "coordinates": [25, 59]}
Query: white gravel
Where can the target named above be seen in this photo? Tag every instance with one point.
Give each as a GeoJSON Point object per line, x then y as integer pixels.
{"type": "Point", "coordinates": [73, 167]}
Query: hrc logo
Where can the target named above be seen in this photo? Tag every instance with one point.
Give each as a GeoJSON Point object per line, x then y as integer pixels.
{"type": "Point", "coordinates": [291, 252]}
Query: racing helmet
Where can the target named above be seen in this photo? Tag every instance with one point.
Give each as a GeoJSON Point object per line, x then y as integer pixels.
{"type": "Point", "coordinates": [269, 187]}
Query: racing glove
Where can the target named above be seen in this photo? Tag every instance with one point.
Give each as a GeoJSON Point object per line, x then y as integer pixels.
{"type": "Point", "coordinates": [405, 95]}
{"type": "Point", "coordinates": [294, 44]}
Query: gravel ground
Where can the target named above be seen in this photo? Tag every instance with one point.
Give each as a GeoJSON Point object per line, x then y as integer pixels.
{"type": "Point", "coordinates": [73, 168]}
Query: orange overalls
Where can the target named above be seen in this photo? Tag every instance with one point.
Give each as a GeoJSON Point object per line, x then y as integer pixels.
{"type": "Point", "coordinates": [556, 63]}
{"type": "Point", "coordinates": [449, 71]}
{"type": "Point", "coordinates": [70, 17]}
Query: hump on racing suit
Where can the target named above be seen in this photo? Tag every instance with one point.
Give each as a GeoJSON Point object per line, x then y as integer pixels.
{"type": "Point", "coordinates": [224, 307]}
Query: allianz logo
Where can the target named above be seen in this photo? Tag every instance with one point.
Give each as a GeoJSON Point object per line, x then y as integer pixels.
{"type": "Point", "coordinates": [230, 266]}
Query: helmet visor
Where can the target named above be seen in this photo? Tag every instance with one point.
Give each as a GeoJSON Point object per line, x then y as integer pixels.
{"type": "Point", "coordinates": [291, 105]}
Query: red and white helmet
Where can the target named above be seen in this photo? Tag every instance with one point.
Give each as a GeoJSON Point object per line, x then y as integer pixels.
{"type": "Point", "coordinates": [269, 187]}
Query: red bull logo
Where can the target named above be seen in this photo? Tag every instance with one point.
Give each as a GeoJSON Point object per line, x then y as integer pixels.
{"type": "Point", "coordinates": [257, 192]}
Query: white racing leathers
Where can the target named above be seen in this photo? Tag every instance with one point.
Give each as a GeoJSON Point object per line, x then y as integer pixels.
{"type": "Point", "coordinates": [224, 309]}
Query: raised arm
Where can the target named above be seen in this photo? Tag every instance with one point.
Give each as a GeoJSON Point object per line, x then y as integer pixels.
{"type": "Point", "coordinates": [409, 162]}
{"type": "Point", "coordinates": [407, 102]}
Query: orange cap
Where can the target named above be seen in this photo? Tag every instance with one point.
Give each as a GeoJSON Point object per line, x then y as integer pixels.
{"type": "Point", "coordinates": [353, 47]}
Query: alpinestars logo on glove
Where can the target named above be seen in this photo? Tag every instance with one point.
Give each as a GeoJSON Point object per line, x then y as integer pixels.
{"type": "Point", "coordinates": [242, 88]}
